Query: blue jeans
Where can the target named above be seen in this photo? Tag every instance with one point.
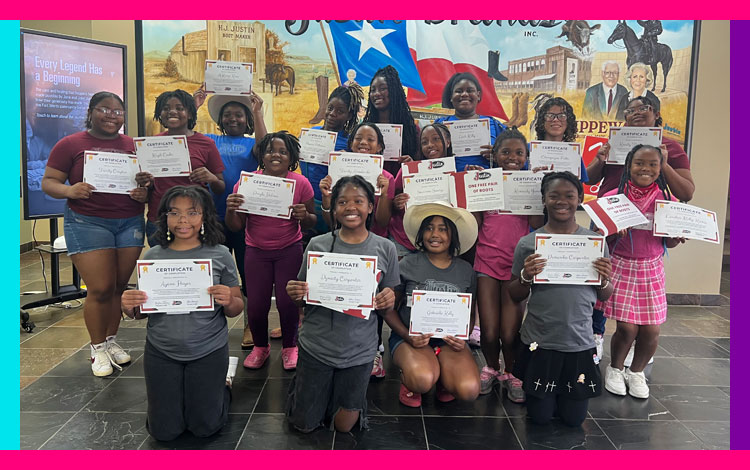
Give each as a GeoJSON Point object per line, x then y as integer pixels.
{"type": "Point", "coordinates": [598, 322]}
{"type": "Point", "coordinates": [84, 233]}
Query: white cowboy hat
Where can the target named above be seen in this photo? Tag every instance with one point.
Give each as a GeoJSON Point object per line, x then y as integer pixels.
{"type": "Point", "coordinates": [216, 102]}
{"type": "Point", "coordinates": [464, 220]}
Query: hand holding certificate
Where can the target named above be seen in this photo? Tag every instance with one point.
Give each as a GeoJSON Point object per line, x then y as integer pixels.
{"type": "Point", "coordinates": [678, 220]}
{"type": "Point", "coordinates": [440, 314]}
{"type": "Point", "coordinates": [228, 78]}
{"type": "Point", "coordinates": [176, 285]}
{"type": "Point", "coordinates": [557, 156]}
{"type": "Point", "coordinates": [392, 135]}
{"type": "Point", "coordinates": [367, 166]}
{"type": "Point", "coordinates": [110, 172]}
{"type": "Point", "coordinates": [316, 145]}
{"type": "Point", "coordinates": [341, 281]}
{"type": "Point", "coordinates": [468, 135]}
{"type": "Point", "coordinates": [614, 213]}
{"type": "Point", "coordinates": [266, 195]}
{"type": "Point", "coordinates": [623, 139]}
{"type": "Point", "coordinates": [569, 259]}
{"type": "Point", "coordinates": [478, 190]}
{"type": "Point", "coordinates": [162, 156]}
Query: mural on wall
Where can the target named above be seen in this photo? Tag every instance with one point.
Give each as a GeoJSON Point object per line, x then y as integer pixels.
{"type": "Point", "coordinates": [520, 64]}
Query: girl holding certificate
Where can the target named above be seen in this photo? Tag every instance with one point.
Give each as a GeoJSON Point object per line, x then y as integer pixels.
{"type": "Point", "coordinates": [463, 93]}
{"type": "Point", "coordinates": [499, 233]}
{"type": "Point", "coordinates": [341, 116]}
{"type": "Point", "coordinates": [556, 122]}
{"type": "Point", "coordinates": [557, 351]}
{"type": "Point", "coordinates": [176, 111]}
{"type": "Point", "coordinates": [103, 231]}
{"type": "Point", "coordinates": [335, 349]}
{"type": "Point", "coordinates": [442, 233]}
{"type": "Point", "coordinates": [238, 117]}
{"type": "Point", "coordinates": [274, 249]}
{"type": "Point", "coordinates": [639, 303]}
{"type": "Point", "coordinates": [186, 355]}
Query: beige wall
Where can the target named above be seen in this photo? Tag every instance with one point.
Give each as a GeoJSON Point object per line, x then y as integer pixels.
{"type": "Point", "coordinates": [691, 269]}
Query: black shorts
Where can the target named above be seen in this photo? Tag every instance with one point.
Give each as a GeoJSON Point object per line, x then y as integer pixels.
{"type": "Point", "coordinates": [573, 375]}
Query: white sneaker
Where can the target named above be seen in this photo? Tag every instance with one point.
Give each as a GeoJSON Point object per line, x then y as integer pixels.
{"type": "Point", "coordinates": [599, 342]}
{"type": "Point", "coordinates": [102, 362]}
{"type": "Point", "coordinates": [631, 353]}
{"type": "Point", "coordinates": [119, 356]}
{"type": "Point", "coordinates": [615, 381]}
{"type": "Point", "coordinates": [636, 384]}
{"type": "Point", "coordinates": [232, 370]}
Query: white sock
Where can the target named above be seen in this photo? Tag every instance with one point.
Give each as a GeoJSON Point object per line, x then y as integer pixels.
{"type": "Point", "coordinates": [232, 369]}
{"type": "Point", "coordinates": [111, 339]}
{"type": "Point", "coordinates": [98, 347]}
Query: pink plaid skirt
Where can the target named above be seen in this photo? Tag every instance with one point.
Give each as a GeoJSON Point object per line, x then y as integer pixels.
{"type": "Point", "coordinates": [640, 296]}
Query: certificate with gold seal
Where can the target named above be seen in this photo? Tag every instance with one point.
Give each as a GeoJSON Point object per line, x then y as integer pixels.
{"type": "Point", "coordinates": [440, 313]}
{"type": "Point", "coordinates": [570, 258]}
{"type": "Point", "coordinates": [176, 285]}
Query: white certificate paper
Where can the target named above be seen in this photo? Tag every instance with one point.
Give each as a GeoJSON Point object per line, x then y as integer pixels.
{"type": "Point", "coordinates": [436, 165]}
{"type": "Point", "coordinates": [392, 135]}
{"type": "Point", "coordinates": [676, 219]}
{"type": "Point", "coordinates": [228, 78]}
{"type": "Point", "coordinates": [266, 195]}
{"type": "Point", "coordinates": [557, 156]}
{"type": "Point", "coordinates": [623, 139]}
{"type": "Point", "coordinates": [367, 166]}
{"type": "Point", "coordinates": [522, 193]}
{"type": "Point", "coordinates": [478, 190]}
{"type": "Point", "coordinates": [428, 187]}
{"type": "Point", "coordinates": [468, 135]}
{"type": "Point", "coordinates": [316, 145]}
{"type": "Point", "coordinates": [165, 155]}
{"type": "Point", "coordinates": [341, 281]}
{"type": "Point", "coordinates": [176, 285]}
{"type": "Point", "coordinates": [440, 313]}
{"type": "Point", "coordinates": [614, 213]}
{"type": "Point", "coordinates": [569, 258]}
{"type": "Point", "coordinates": [110, 172]}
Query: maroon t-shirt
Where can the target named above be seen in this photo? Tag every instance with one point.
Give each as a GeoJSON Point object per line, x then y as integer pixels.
{"type": "Point", "coordinates": [67, 156]}
{"type": "Point", "coordinates": [676, 157]}
{"type": "Point", "coordinates": [203, 153]}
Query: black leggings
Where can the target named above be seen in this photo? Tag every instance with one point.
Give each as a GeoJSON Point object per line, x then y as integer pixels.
{"type": "Point", "coordinates": [571, 412]}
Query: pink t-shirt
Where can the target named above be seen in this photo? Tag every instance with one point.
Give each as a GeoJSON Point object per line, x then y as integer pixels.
{"type": "Point", "coordinates": [644, 243]}
{"type": "Point", "coordinates": [270, 233]}
{"type": "Point", "coordinates": [375, 228]}
{"type": "Point", "coordinates": [396, 225]}
{"type": "Point", "coordinates": [67, 156]}
{"type": "Point", "coordinates": [496, 243]}
{"type": "Point", "coordinates": [203, 153]}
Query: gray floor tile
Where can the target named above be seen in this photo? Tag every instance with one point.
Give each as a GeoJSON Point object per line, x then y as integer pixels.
{"type": "Point", "coordinates": [101, 431]}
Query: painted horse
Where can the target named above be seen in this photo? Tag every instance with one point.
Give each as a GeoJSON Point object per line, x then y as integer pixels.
{"type": "Point", "coordinates": [276, 74]}
{"type": "Point", "coordinates": [638, 51]}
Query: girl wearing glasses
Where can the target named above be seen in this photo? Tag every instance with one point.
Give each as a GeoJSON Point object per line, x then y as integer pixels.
{"type": "Point", "coordinates": [186, 356]}
{"type": "Point", "coordinates": [103, 231]}
{"type": "Point", "coordinates": [557, 123]}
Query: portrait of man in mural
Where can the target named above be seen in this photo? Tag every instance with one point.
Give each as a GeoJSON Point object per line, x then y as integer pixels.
{"type": "Point", "coordinates": [602, 99]}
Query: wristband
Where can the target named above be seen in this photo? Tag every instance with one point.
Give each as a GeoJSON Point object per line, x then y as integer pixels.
{"type": "Point", "coordinates": [523, 280]}
{"type": "Point", "coordinates": [327, 211]}
{"type": "Point", "coordinates": [603, 286]}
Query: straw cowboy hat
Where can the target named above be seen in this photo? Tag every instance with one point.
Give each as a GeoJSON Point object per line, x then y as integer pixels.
{"type": "Point", "coordinates": [464, 220]}
{"type": "Point", "coordinates": [216, 102]}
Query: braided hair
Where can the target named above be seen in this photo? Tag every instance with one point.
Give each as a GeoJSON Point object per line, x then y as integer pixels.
{"type": "Point", "coordinates": [661, 182]}
{"type": "Point", "coordinates": [184, 97]}
{"type": "Point", "coordinates": [444, 135]}
{"type": "Point", "coordinates": [248, 118]}
{"type": "Point", "coordinates": [381, 140]}
{"type": "Point", "coordinates": [654, 105]}
{"type": "Point", "coordinates": [291, 143]}
{"type": "Point", "coordinates": [399, 111]}
{"type": "Point", "coordinates": [352, 96]}
{"type": "Point", "coordinates": [357, 182]}
{"type": "Point", "coordinates": [571, 131]}
{"type": "Point", "coordinates": [96, 99]}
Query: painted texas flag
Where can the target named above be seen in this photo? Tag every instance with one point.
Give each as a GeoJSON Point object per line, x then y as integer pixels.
{"type": "Point", "coordinates": [442, 50]}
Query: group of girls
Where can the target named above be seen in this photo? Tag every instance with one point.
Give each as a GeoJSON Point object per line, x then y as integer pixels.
{"type": "Point", "coordinates": [548, 366]}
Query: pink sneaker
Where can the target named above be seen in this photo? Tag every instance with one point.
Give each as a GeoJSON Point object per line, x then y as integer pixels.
{"type": "Point", "coordinates": [409, 398]}
{"type": "Point", "coordinates": [488, 377]}
{"type": "Point", "coordinates": [257, 357]}
{"type": "Point", "coordinates": [475, 337]}
{"type": "Point", "coordinates": [289, 358]}
{"type": "Point", "coordinates": [442, 394]}
{"type": "Point", "coordinates": [514, 387]}
{"type": "Point", "coordinates": [377, 366]}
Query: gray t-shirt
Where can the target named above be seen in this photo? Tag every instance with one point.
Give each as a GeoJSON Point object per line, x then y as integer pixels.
{"type": "Point", "coordinates": [194, 335]}
{"type": "Point", "coordinates": [559, 315]}
{"type": "Point", "coordinates": [332, 337]}
{"type": "Point", "coordinates": [417, 272]}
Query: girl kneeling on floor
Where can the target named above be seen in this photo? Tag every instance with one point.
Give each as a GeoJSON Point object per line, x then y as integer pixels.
{"type": "Point", "coordinates": [441, 233]}
{"type": "Point", "coordinates": [336, 350]}
{"type": "Point", "coordinates": [186, 356]}
{"type": "Point", "coordinates": [556, 360]}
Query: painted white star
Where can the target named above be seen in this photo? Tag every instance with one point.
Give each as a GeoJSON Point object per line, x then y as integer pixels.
{"type": "Point", "coordinates": [370, 38]}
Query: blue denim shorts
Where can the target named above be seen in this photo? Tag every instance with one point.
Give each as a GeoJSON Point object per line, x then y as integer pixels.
{"type": "Point", "coordinates": [84, 233]}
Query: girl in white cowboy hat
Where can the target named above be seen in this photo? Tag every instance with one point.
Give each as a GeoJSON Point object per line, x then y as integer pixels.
{"type": "Point", "coordinates": [441, 233]}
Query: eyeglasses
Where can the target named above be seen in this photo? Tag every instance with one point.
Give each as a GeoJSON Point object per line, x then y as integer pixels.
{"type": "Point", "coordinates": [641, 109]}
{"type": "Point", "coordinates": [190, 215]}
{"type": "Point", "coordinates": [107, 111]}
{"type": "Point", "coordinates": [611, 74]}
{"type": "Point", "coordinates": [552, 116]}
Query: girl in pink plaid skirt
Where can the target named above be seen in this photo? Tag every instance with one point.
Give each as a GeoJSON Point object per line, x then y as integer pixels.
{"type": "Point", "coordinates": [639, 302]}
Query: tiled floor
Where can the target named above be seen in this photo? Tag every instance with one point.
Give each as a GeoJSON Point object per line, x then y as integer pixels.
{"type": "Point", "coordinates": [64, 407]}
